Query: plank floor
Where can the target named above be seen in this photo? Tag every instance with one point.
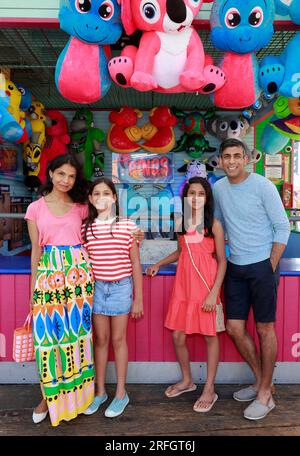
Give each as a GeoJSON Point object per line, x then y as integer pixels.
{"type": "Point", "coordinates": [150, 413]}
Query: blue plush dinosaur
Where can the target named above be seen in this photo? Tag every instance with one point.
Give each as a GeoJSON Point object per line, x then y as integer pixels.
{"type": "Point", "coordinates": [240, 28]}
{"type": "Point", "coordinates": [81, 71]}
{"type": "Point", "coordinates": [282, 74]}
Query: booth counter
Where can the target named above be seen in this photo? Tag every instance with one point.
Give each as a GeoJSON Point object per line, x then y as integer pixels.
{"type": "Point", "coordinates": [151, 354]}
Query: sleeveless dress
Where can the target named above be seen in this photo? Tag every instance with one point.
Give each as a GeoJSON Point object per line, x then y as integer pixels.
{"type": "Point", "coordinates": [185, 309]}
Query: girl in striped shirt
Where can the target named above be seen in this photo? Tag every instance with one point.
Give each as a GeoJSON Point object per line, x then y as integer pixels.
{"type": "Point", "coordinates": [115, 259]}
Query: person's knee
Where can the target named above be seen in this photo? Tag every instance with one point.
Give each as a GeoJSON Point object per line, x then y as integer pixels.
{"type": "Point", "coordinates": [236, 330]}
{"type": "Point", "coordinates": [179, 338]}
{"type": "Point", "coordinates": [118, 340]}
{"type": "Point", "coordinates": [265, 329]}
{"type": "Point", "coordinates": [102, 340]}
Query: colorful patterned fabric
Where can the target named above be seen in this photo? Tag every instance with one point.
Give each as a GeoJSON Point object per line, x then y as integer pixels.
{"type": "Point", "coordinates": [62, 330]}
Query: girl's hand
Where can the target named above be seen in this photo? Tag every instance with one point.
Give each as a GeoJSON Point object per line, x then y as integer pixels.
{"type": "Point", "coordinates": [210, 303]}
{"type": "Point", "coordinates": [31, 303]}
{"type": "Point", "coordinates": [152, 270]}
{"type": "Point", "coordinates": [138, 235]}
{"type": "Point", "coordinates": [137, 310]}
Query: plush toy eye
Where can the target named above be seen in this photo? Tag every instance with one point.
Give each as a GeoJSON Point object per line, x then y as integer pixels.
{"type": "Point", "coordinates": [223, 126]}
{"type": "Point", "coordinates": [242, 125]}
{"type": "Point", "coordinates": [232, 18]}
{"type": "Point", "coordinates": [194, 3]}
{"type": "Point", "coordinates": [256, 17]}
{"type": "Point", "coordinates": [106, 10]}
{"type": "Point", "coordinates": [288, 149]}
{"type": "Point", "coordinates": [83, 6]}
{"type": "Point", "coordinates": [10, 87]}
{"type": "Point", "coordinates": [22, 90]}
{"type": "Point", "coordinates": [150, 11]}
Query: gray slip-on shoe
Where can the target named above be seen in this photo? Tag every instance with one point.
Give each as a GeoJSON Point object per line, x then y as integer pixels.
{"type": "Point", "coordinates": [245, 394]}
{"type": "Point", "coordinates": [257, 410]}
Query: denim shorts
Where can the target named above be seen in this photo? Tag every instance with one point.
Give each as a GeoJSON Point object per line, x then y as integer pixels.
{"type": "Point", "coordinates": [113, 298]}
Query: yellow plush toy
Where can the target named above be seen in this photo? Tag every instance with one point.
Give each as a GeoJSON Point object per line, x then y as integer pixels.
{"type": "Point", "coordinates": [38, 120]}
{"type": "Point", "coordinates": [14, 103]}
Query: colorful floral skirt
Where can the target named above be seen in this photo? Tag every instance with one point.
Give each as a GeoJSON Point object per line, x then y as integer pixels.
{"type": "Point", "coordinates": [62, 330]}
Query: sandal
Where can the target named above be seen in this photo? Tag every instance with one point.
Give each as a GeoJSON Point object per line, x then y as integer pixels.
{"type": "Point", "coordinates": [206, 409]}
{"type": "Point", "coordinates": [179, 391]}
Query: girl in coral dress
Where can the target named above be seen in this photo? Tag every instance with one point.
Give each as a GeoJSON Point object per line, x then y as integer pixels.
{"type": "Point", "coordinates": [195, 298]}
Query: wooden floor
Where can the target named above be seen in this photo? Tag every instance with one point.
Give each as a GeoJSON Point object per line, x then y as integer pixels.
{"type": "Point", "coordinates": [150, 413]}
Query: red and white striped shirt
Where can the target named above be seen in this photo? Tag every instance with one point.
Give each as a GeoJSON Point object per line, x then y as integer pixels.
{"type": "Point", "coordinates": [108, 247]}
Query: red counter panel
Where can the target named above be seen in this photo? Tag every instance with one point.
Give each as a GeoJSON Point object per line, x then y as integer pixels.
{"type": "Point", "coordinates": [148, 339]}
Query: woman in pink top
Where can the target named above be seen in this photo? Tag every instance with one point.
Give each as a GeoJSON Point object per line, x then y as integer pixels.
{"type": "Point", "coordinates": [62, 288]}
{"type": "Point", "coordinates": [200, 273]}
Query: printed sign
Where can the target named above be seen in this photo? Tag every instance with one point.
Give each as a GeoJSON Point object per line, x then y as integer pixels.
{"type": "Point", "coordinates": [151, 168]}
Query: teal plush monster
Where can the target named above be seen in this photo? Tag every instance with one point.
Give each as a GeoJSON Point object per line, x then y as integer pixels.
{"type": "Point", "coordinates": [85, 143]}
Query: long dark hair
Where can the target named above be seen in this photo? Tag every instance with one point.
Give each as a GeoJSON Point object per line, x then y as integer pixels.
{"type": "Point", "coordinates": [208, 208]}
{"type": "Point", "coordinates": [79, 191]}
{"type": "Point", "coordinates": [92, 211]}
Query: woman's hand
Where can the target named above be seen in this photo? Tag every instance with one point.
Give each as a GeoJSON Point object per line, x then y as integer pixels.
{"type": "Point", "coordinates": [210, 303]}
{"type": "Point", "coordinates": [138, 235]}
{"type": "Point", "coordinates": [137, 310]}
{"type": "Point", "coordinates": [152, 270]}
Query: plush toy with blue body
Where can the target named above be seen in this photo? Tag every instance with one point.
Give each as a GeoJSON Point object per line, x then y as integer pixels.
{"type": "Point", "coordinates": [240, 28]}
{"type": "Point", "coordinates": [26, 101]}
{"type": "Point", "coordinates": [10, 129]}
{"type": "Point", "coordinates": [282, 74]}
{"type": "Point", "coordinates": [81, 73]}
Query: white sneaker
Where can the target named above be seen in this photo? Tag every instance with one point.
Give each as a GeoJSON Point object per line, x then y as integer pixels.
{"type": "Point", "coordinates": [39, 417]}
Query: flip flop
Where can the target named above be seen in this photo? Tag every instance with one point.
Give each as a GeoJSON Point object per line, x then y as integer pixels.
{"type": "Point", "coordinates": [207, 409]}
{"type": "Point", "coordinates": [180, 391]}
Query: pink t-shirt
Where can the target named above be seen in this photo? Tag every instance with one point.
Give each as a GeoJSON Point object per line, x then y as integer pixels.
{"type": "Point", "coordinates": [57, 229]}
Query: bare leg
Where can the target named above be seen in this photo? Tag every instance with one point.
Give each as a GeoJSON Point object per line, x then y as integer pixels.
{"type": "Point", "coordinates": [208, 393]}
{"type": "Point", "coordinates": [179, 339]}
{"type": "Point", "coordinates": [268, 347]}
{"type": "Point", "coordinates": [246, 346]}
{"type": "Point", "coordinates": [101, 326]}
{"type": "Point", "coordinates": [119, 341]}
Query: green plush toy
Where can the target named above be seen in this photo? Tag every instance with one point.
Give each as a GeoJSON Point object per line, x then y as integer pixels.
{"type": "Point", "coordinates": [86, 142]}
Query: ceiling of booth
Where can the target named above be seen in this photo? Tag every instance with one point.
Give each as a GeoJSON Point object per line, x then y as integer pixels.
{"type": "Point", "coordinates": [32, 54]}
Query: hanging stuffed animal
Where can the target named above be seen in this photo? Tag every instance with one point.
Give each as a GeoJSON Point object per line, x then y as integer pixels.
{"type": "Point", "coordinates": [232, 126]}
{"type": "Point", "coordinates": [81, 73]}
{"type": "Point", "coordinates": [240, 28]}
{"type": "Point", "coordinates": [170, 57]}
{"type": "Point", "coordinates": [159, 133]}
{"type": "Point", "coordinates": [26, 101]}
{"type": "Point", "coordinates": [86, 143]}
{"type": "Point", "coordinates": [193, 141]}
{"type": "Point", "coordinates": [38, 123]}
{"type": "Point", "coordinates": [32, 149]}
{"type": "Point", "coordinates": [287, 123]}
{"type": "Point", "coordinates": [15, 97]}
{"type": "Point", "coordinates": [57, 138]}
{"type": "Point", "coordinates": [281, 74]}
{"type": "Point", "coordinates": [10, 129]}
{"type": "Point", "coordinates": [124, 134]}
{"type": "Point", "coordinates": [236, 127]}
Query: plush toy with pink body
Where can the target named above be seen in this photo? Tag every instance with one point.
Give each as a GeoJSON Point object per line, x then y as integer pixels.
{"type": "Point", "coordinates": [170, 57]}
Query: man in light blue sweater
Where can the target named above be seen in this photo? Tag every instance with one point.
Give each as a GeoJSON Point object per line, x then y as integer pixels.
{"type": "Point", "coordinates": [252, 213]}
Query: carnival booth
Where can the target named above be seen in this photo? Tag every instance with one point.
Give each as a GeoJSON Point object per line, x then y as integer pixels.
{"type": "Point", "coordinates": [148, 110]}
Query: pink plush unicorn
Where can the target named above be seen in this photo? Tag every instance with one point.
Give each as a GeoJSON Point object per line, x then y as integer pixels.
{"type": "Point", "coordinates": [170, 57]}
